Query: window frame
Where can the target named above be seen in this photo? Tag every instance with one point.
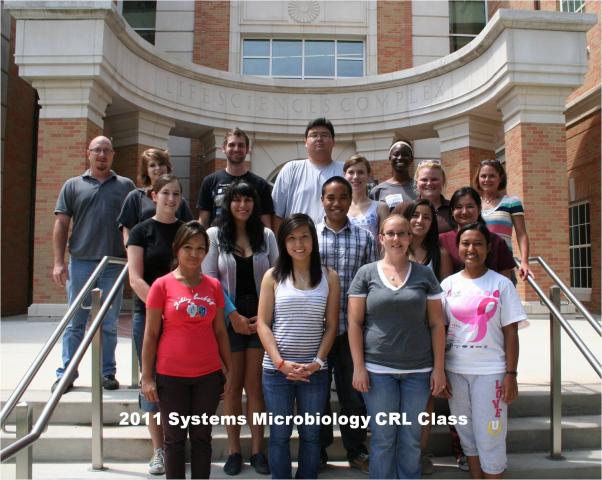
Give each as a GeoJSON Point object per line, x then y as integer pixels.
{"type": "Point", "coordinates": [583, 293]}
{"type": "Point", "coordinates": [152, 29]}
{"type": "Point", "coordinates": [566, 3]}
{"type": "Point", "coordinates": [453, 35]}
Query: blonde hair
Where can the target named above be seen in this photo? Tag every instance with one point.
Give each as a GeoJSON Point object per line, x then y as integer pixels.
{"type": "Point", "coordinates": [398, 216]}
{"type": "Point", "coordinates": [436, 164]}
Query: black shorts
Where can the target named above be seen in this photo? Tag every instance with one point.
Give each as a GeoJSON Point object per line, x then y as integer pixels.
{"type": "Point", "coordinates": [239, 343]}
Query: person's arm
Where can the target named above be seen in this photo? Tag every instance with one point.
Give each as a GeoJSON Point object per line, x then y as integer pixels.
{"type": "Point", "coordinates": [152, 331]}
{"type": "Point", "coordinates": [446, 266]}
{"type": "Point", "coordinates": [277, 223]}
{"type": "Point", "coordinates": [522, 238]}
{"type": "Point", "coordinates": [356, 312]}
{"type": "Point", "coordinates": [60, 274]}
{"type": "Point", "coordinates": [434, 311]}
{"type": "Point", "coordinates": [204, 217]}
{"type": "Point", "coordinates": [125, 233]}
{"type": "Point", "coordinates": [509, 385]}
{"type": "Point", "coordinates": [135, 255]}
{"type": "Point", "coordinates": [266, 218]}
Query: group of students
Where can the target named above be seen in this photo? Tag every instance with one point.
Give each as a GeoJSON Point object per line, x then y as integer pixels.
{"type": "Point", "coordinates": [423, 309]}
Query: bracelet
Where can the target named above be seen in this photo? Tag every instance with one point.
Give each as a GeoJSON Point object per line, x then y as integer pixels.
{"type": "Point", "coordinates": [280, 364]}
{"type": "Point", "coordinates": [511, 372]}
{"type": "Point", "coordinates": [319, 361]}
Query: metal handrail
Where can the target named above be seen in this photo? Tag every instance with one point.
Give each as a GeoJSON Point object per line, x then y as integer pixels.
{"type": "Point", "coordinates": [53, 401]}
{"type": "Point", "coordinates": [568, 328]}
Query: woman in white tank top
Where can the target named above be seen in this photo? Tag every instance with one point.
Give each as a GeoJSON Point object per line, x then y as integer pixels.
{"type": "Point", "coordinates": [297, 325]}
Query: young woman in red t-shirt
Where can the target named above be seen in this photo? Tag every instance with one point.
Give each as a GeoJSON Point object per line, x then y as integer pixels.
{"type": "Point", "coordinates": [186, 343]}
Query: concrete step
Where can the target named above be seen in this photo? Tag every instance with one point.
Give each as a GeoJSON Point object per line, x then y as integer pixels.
{"type": "Point", "coordinates": [577, 464]}
{"type": "Point", "coordinates": [74, 407]}
{"type": "Point", "coordinates": [72, 443]}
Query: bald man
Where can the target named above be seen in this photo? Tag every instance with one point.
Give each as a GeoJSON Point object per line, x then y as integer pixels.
{"type": "Point", "coordinates": [93, 201]}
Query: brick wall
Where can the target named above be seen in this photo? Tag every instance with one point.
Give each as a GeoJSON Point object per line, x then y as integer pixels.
{"type": "Point", "coordinates": [394, 35]}
{"type": "Point", "coordinates": [592, 77]}
{"type": "Point", "coordinates": [461, 165]}
{"type": "Point", "coordinates": [62, 145]}
{"type": "Point", "coordinates": [127, 161]}
{"type": "Point", "coordinates": [583, 163]}
{"type": "Point", "coordinates": [211, 41]}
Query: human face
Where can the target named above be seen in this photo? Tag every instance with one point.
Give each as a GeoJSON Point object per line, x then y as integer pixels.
{"type": "Point", "coordinates": [336, 202]}
{"type": "Point", "coordinates": [465, 211]}
{"type": "Point", "coordinates": [155, 169]}
{"type": "Point", "coordinates": [235, 149]}
{"type": "Point", "coordinates": [421, 221]}
{"type": "Point", "coordinates": [429, 182]}
{"type": "Point", "coordinates": [319, 143]}
{"type": "Point", "coordinates": [473, 249]}
{"type": "Point", "coordinates": [100, 156]}
{"type": "Point", "coordinates": [191, 254]}
{"type": "Point", "coordinates": [401, 157]}
{"type": "Point", "coordinates": [168, 198]}
{"type": "Point", "coordinates": [489, 179]}
{"type": "Point", "coordinates": [396, 236]}
{"type": "Point", "coordinates": [299, 243]}
{"type": "Point", "coordinates": [357, 175]}
{"type": "Point", "coordinates": [241, 208]}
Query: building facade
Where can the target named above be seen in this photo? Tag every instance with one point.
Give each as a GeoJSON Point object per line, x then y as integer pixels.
{"type": "Point", "coordinates": [464, 80]}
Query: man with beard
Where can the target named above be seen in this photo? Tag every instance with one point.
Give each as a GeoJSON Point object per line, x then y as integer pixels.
{"type": "Point", "coordinates": [214, 186]}
{"type": "Point", "coordinates": [400, 187]}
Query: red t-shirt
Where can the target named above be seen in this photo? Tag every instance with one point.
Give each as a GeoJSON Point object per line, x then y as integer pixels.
{"type": "Point", "coordinates": [187, 345]}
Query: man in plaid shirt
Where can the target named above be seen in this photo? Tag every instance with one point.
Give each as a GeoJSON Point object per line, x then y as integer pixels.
{"type": "Point", "coordinates": [345, 248]}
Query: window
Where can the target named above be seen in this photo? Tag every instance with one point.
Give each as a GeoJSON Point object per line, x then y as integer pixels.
{"type": "Point", "coordinates": [303, 58]}
{"type": "Point", "coordinates": [141, 17]}
{"type": "Point", "coordinates": [466, 20]}
{"type": "Point", "coordinates": [574, 6]}
{"type": "Point", "coordinates": [580, 245]}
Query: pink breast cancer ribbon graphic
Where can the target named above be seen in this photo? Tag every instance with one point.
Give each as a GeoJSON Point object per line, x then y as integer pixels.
{"type": "Point", "coordinates": [476, 311]}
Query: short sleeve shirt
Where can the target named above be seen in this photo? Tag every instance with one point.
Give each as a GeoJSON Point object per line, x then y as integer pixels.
{"type": "Point", "coordinates": [499, 218]}
{"type": "Point", "coordinates": [93, 207]}
{"type": "Point", "coordinates": [393, 193]}
{"type": "Point", "coordinates": [213, 189]}
{"type": "Point", "coordinates": [138, 207]}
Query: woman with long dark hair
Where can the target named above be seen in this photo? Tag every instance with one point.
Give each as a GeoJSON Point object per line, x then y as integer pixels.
{"type": "Point", "coordinates": [297, 324]}
{"type": "Point", "coordinates": [241, 250]}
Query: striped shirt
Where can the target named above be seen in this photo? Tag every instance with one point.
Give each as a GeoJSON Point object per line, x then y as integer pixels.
{"type": "Point", "coordinates": [499, 218]}
{"type": "Point", "coordinates": [345, 252]}
{"type": "Point", "coordinates": [298, 323]}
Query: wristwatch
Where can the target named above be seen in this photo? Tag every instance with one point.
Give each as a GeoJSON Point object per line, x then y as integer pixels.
{"type": "Point", "coordinates": [319, 361]}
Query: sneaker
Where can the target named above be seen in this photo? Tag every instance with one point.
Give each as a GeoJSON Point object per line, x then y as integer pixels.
{"type": "Point", "coordinates": [463, 463]}
{"type": "Point", "coordinates": [109, 382]}
{"type": "Point", "coordinates": [260, 464]}
{"type": "Point", "coordinates": [361, 462]}
{"type": "Point", "coordinates": [426, 463]}
{"type": "Point", "coordinates": [56, 384]}
{"type": "Point", "coordinates": [156, 466]}
{"type": "Point", "coordinates": [233, 465]}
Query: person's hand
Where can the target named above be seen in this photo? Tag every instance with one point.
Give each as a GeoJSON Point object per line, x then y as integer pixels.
{"type": "Point", "coordinates": [149, 390]}
{"type": "Point", "coordinates": [447, 391]}
{"type": "Point", "coordinates": [241, 325]}
{"type": "Point", "coordinates": [227, 385]}
{"type": "Point", "coordinates": [524, 271]}
{"type": "Point", "coordinates": [361, 380]}
{"type": "Point", "coordinates": [509, 389]}
{"type": "Point", "coordinates": [295, 371]}
{"type": "Point", "coordinates": [311, 368]}
{"type": "Point", "coordinates": [438, 381]}
{"type": "Point", "coordinates": [60, 274]}
{"type": "Point", "coordinates": [253, 324]}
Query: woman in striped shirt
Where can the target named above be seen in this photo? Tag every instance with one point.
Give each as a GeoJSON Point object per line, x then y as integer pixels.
{"type": "Point", "coordinates": [297, 325]}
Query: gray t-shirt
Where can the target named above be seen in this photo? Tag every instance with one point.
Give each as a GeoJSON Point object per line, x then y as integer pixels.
{"type": "Point", "coordinates": [298, 188]}
{"type": "Point", "coordinates": [393, 193]}
{"type": "Point", "coordinates": [396, 331]}
{"type": "Point", "coordinates": [94, 207]}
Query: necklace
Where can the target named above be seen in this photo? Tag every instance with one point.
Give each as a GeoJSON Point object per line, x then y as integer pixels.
{"type": "Point", "coordinates": [491, 201]}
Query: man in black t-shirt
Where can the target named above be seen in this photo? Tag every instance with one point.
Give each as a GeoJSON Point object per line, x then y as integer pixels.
{"type": "Point", "coordinates": [214, 186]}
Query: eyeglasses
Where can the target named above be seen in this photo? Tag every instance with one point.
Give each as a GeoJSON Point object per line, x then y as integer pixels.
{"type": "Point", "coordinates": [391, 234]}
{"type": "Point", "coordinates": [98, 151]}
{"type": "Point", "coordinates": [321, 136]}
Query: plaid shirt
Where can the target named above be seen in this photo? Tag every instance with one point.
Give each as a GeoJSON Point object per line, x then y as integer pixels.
{"type": "Point", "coordinates": [345, 251]}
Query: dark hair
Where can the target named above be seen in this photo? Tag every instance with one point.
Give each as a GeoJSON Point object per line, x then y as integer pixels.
{"type": "Point", "coordinates": [499, 168]}
{"type": "Point", "coordinates": [479, 226]}
{"type": "Point", "coordinates": [340, 180]}
{"type": "Point", "coordinates": [236, 132]}
{"type": "Point", "coordinates": [185, 233]}
{"type": "Point", "coordinates": [406, 145]}
{"type": "Point", "coordinates": [462, 192]}
{"type": "Point", "coordinates": [319, 122]}
{"type": "Point", "coordinates": [431, 239]}
{"type": "Point", "coordinates": [284, 264]}
{"type": "Point", "coordinates": [354, 160]}
{"type": "Point", "coordinates": [160, 156]}
{"type": "Point", "coordinates": [254, 226]}
{"type": "Point", "coordinates": [164, 180]}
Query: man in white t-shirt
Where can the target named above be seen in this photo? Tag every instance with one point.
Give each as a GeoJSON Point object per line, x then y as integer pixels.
{"type": "Point", "coordinates": [298, 187]}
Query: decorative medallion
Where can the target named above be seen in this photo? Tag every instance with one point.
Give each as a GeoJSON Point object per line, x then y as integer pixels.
{"type": "Point", "coordinates": [303, 11]}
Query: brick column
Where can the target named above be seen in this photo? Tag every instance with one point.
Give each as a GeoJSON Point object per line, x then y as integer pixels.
{"type": "Point", "coordinates": [464, 142]}
{"type": "Point", "coordinates": [71, 115]}
{"type": "Point", "coordinates": [535, 139]}
{"type": "Point", "coordinates": [375, 147]}
{"type": "Point", "coordinates": [394, 35]}
{"type": "Point", "coordinates": [211, 40]}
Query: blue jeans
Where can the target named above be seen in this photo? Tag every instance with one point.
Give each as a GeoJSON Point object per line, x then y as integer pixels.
{"type": "Point", "coordinates": [280, 395]}
{"type": "Point", "coordinates": [79, 272]}
{"type": "Point", "coordinates": [395, 449]}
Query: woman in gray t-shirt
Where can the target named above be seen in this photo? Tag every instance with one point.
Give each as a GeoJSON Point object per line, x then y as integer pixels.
{"type": "Point", "coordinates": [397, 341]}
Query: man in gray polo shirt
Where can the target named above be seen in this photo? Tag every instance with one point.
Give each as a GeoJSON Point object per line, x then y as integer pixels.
{"type": "Point", "coordinates": [93, 201]}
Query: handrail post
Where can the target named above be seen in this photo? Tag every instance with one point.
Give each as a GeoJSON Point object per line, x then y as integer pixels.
{"type": "Point", "coordinates": [24, 459]}
{"type": "Point", "coordinates": [555, 380]}
{"type": "Point", "coordinates": [97, 460]}
{"type": "Point", "coordinates": [135, 366]}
